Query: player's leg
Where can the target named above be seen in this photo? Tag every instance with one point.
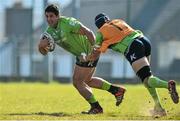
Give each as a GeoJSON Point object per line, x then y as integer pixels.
{"type": "Point", "coordinates": [151, 90]}
{"type": "Point", "coordinates": [149, 58]}
{"type": "Point", "coordinates": [152, 81]}
{"type": "Point", "coordinates": [99, 83]}
{"type": "Point", "coordinates": [116, 90]}
{"type": "Point", "coordinates": [156, 82]}
{"type": "Point", "coordinates": [82, 71]}
{"type": "Point", "coordinates": [144, 73]}
{"type": "Point", "coordinates": [136, 57]}
{"type": "Point", "coordinates": [142, 69]}
{"type": "Point", "coordinates": [79, 76]}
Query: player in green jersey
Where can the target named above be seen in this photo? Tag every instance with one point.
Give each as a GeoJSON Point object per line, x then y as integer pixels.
{"type": "Point", "coordinates": [74, 37]}
{"type": "Point", "coordinates": [117, 35]}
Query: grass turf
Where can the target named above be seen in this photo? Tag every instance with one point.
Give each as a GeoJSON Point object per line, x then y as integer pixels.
{"type": "Point", "coordinates": [37, 101]}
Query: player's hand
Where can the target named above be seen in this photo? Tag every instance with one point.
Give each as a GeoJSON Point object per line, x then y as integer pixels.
{"type": "Point", "coordinates": [94, 55]}
{"type": "Point", "coordinates": [83, 57]}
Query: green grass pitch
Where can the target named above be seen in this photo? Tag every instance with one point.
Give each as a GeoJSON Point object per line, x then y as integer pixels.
{"type": "Point", "coordinates": [37, 101]}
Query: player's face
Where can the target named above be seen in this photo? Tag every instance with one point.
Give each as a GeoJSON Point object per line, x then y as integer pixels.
{"type": "Point", "coordinates": [51, 19]}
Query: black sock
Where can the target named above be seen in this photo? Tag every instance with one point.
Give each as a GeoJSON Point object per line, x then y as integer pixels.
{"type": "Point", "coordinates": [94, 105]}
{"type": "Point", "coordinates": [113, 89]}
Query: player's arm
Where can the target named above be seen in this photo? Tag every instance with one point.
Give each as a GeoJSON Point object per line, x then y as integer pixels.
{"type": "Point", "coordinates": [77, 27]}
{"type": "Point", "coordinates": [96, 52]}
{"type": "Point", "coordinates": [86, 31]}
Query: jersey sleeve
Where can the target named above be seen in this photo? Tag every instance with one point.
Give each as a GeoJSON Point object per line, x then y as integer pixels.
{"type": "Point", "coordinates": [73, 25]}
{"type": "Point", "coordinates": [99, 39]}
{"type": "Point", "coordinates": [101, 43]}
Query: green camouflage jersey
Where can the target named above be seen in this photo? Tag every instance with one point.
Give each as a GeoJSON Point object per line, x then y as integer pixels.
{"type": "Point", "coordinates": [66, 36]}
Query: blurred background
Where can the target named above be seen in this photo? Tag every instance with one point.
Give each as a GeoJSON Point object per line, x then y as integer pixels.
{"type": "Point", "coordinates": [22, 22]}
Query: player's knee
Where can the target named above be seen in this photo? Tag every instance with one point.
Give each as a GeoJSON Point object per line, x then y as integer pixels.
{"type": "Point", "coordinates": [144, 73]}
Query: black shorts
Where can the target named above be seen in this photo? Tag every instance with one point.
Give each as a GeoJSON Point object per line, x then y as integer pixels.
{"type": "Point", "coordinates": [88, 64]}
{"type": "Point", "coordinates": [140, 47]}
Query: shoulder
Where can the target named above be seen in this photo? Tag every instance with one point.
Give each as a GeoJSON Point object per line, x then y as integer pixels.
{"type": "Point", "coordinates": [114, 21]}
{"type": "Point", "coordinates": [69, 20]}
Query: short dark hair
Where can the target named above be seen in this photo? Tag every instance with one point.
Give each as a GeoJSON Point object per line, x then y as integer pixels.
{"type": "Point", "coordinates": [101, 19]}
{"type": "Point", "coordinates": [52, 8]}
